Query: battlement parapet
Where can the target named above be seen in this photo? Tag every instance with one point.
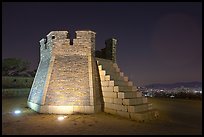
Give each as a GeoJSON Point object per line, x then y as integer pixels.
{"type": "Point", "coordinates": [109, 52]}
{"type": "Point", "coordinates": [59, 42]}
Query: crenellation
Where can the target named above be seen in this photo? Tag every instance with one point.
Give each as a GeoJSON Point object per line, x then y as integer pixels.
{"type": "Point", "coordinates": [58, 35]}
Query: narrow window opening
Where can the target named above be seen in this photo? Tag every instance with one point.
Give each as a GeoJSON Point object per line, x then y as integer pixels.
{"type": "Point", "coordinates": [71, 41]}
{"type": "Point", "coordinates": [45, 43]}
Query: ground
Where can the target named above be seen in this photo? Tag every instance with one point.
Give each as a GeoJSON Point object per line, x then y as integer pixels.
{"type": "Point", "coordinates": [177, 116]}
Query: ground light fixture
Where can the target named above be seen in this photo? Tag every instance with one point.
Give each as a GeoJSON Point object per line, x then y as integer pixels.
{"type": "Point", "coordinates": [17, 112]}
{"type": "Point", "coordinates": [61, 118]}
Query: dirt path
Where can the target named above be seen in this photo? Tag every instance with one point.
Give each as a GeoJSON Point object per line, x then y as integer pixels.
{"type": "Point", "coordinates": [176, 117]}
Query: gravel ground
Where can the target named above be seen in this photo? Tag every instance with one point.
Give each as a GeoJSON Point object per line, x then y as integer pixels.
{"type": "Point", "coordinates": [177, 117]}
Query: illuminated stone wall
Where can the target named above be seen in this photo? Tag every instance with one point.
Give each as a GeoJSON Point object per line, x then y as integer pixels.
{"type": "Point", "coordinates": [39, 82]}
{"type": "Point", "coordinates": [66, 75]}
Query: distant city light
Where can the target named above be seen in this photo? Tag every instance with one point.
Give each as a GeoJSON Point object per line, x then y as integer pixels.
{"type": "Point", "coordinates": [197, 91]}
{"type": "Point", "coordinates": [17, 111]}
{"type": "Point", "coordinates": [172, 96]}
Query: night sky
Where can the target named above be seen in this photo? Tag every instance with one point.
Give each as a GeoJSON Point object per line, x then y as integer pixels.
{"type": "Point", "coordinates": [157, 42]}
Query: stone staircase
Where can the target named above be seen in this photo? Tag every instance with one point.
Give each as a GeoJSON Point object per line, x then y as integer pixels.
{"type": "Point", "coordinates": [120, 96]}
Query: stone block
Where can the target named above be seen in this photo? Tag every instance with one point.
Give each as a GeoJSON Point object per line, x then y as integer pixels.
{"type": "Point", "coordinates": [102, 72]}
{"type": "Point", "coordinates": [109, 105]}
{"type": "Point", "coordinates": [132, 94]}
{"type": "Point", "coordinates": [102, 78]}
{"type": "Point", "coordinates": [120, 107]}
{"type": "Point", "coordinates": [125, 78]}
{"type": "Point", "coordinates": [109, 94]}
{"type": "Point", "coordinates": [137, 94]}
{"type": "Point", "coordinates": [107, 77]}
{"type": "Point", "coordinates": [117, 101]}
{"type": "Point", "coordinates": [58, 109]}
{"type": "Point", "coordinates": [117, 69]}
{"type": "Point", "coordinates": [89, 109]}
{"type": "Point", "coordinates": [121, 74]}
{"type": "Point", "coordinates": [139, 108]}
{"type": "Point", "coordinates": [138, 116]}
{"type": "Point", "coordinates": [134, 101]}
{"type": "Point", "coordinates": [130, 83]}
{"type": "Point", "coordinates": [78, 109]}
{"type": "Point", "coordinates": [99, 67]}
{"type": "Point", "coordinates": [108, 100]}
{"type": "Point", "coordinates": [115, 65]}
{"type": "Point", "coordinates": [110, 111]}
{"type": "Point", "coordinates": [125, 88]}
{"type": "Point", "coordinates": [123, 114]}
{"type": "Point", "coordinates": [116, 89]}
{"type": "Point", "coordinates": [111, 83]}
{"type": "Point", "coordinates": [105, 83]}
{"type": "Point", "coordinates": [105, 89]}
{"type": "Point", "coordinates": [145, 115]}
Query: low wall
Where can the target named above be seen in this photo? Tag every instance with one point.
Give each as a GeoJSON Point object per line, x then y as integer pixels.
{"type": "Point", "coordinates": [16, 82]}
{"type": "Point", "coordinates": [13, 92]}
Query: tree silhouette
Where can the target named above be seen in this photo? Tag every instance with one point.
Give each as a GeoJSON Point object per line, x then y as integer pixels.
{"type": "Point", "coordinates": [14, 66]}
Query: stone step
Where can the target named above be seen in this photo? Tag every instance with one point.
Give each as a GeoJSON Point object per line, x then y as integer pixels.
{"type": "Point", "coordinates": [102, 72]}
{"type": "Point", "coordinates": [145, 115]}
{"type": "Point", "coordinates": [112, 71]}
{"type": "Point", "coordinates": [117, 77]}
{"type": "Point", "coordinates": [127, 95]}
{"type": "Point", "coordinates": [134, 101]}
{"type": "Point", "coordinates": [123, 83]}
{"type": "Point", "coordinates": [115, 74]}
{"type": "Point", "coordinates": [121, 74]}
{"type": "Point", "coordinates": [107, 83]}
{"type": "Point", "coordinates": [113, 77]}
{"type": "Point", "coordinates": [109, 94]}
{"type": "Point", "coordinates": [115, 65]}
{"type": "Point", "coordinates": [110, 111]}
{"type": "Point", "coordinates": [118, 101]}
{"type": "Point", "coordinates": [117, 107]}
{"type": "Point", "coordinates": [106, 64]}
{"type": "Point", "coordinates": [105, 78]}
{"type": "Point", "coordinates": [123, 114]}
{"type": "Point", "coordinates": [113, 100]}
{"type": "Point", "coordinates": [100, 67]}
{"type": "Point", "coordinates": [107, 89]}
{"type": "Point", "coordinates": [140, 107]}
{"type": "Point", "coordinates": [108, 100]}
{"type": "Point", "coordinates": [125, 78]}
{"type": "Point", "coordinates": [124, 88]}
{"type": "Point", "coordinates": [109, 67]}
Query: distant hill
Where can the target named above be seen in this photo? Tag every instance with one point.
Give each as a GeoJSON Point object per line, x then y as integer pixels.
{"type": "Point", "coordinates": [194, 84]}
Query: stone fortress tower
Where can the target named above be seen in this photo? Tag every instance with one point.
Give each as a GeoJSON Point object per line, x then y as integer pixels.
{"type": "Point", "coordinates": [74, 78]}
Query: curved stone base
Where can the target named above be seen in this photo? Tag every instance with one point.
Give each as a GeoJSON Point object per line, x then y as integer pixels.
{"type": "Point", "coordinates": [62, 109]}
